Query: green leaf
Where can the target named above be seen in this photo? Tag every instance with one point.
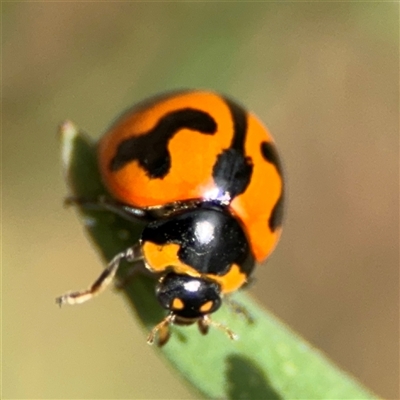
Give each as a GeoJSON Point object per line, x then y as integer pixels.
{"type": "Point", "coordinates": [268, 361]}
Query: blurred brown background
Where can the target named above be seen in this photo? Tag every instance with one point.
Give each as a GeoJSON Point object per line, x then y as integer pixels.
{"type": "Point", "coordinates": [323, 77]}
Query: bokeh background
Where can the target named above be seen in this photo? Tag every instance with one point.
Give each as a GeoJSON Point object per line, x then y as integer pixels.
{"type": "Point", "coordinates": [322, 76]}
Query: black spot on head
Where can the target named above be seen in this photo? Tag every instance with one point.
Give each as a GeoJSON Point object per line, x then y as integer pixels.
{"type": "Point", "coordinates": [151, 148]}
{"type": "Point", "coordinates": [270, 154]}
{"type": "Point", "coordinates": [232, 170]}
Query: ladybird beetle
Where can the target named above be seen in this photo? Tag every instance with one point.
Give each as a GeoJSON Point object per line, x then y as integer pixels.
{"type": "Point", "coordinates": [205, 176]}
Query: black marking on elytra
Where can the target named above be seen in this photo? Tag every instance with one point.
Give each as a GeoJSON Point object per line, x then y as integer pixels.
{"type": "Point", "coordinates": [232, 170]}
{"type": "Point", "coordinates": [150, 149]}
{"type": "Point", "coordinates": [270, 154]}
{"type": "Point", "coordinates": [276, 217]}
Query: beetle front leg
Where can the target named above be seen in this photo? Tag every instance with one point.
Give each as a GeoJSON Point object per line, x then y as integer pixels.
{"type": "Point", "coordinates": [103, 281]}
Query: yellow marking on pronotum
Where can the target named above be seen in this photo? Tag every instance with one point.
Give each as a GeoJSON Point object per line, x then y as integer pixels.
{"type": "Point", "coordinates": [233, 280]}
{"type": "Point", "coordinates": [161, 257]}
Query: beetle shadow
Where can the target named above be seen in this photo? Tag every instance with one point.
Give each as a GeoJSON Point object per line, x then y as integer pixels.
{"type": "Point", "coordinates": [246, 380]}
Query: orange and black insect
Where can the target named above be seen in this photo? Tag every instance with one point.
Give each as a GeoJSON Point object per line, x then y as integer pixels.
{"type": "Point", "coordinates": [205, 176]}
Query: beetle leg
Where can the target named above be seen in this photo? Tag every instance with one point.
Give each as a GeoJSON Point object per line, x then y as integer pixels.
{"type": "Point", "coordinates": [163, 331]}
{"type": "Point", "coordinates": [205, 322]}
{"type": "Point", "coordinates": [103, 203]}
{"type": "Point", "coordinates": [103, 281]}
{"type": "Point", "coordinates": [239, 308]}
{"type": "Point", "coordinates": [132, 272]}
